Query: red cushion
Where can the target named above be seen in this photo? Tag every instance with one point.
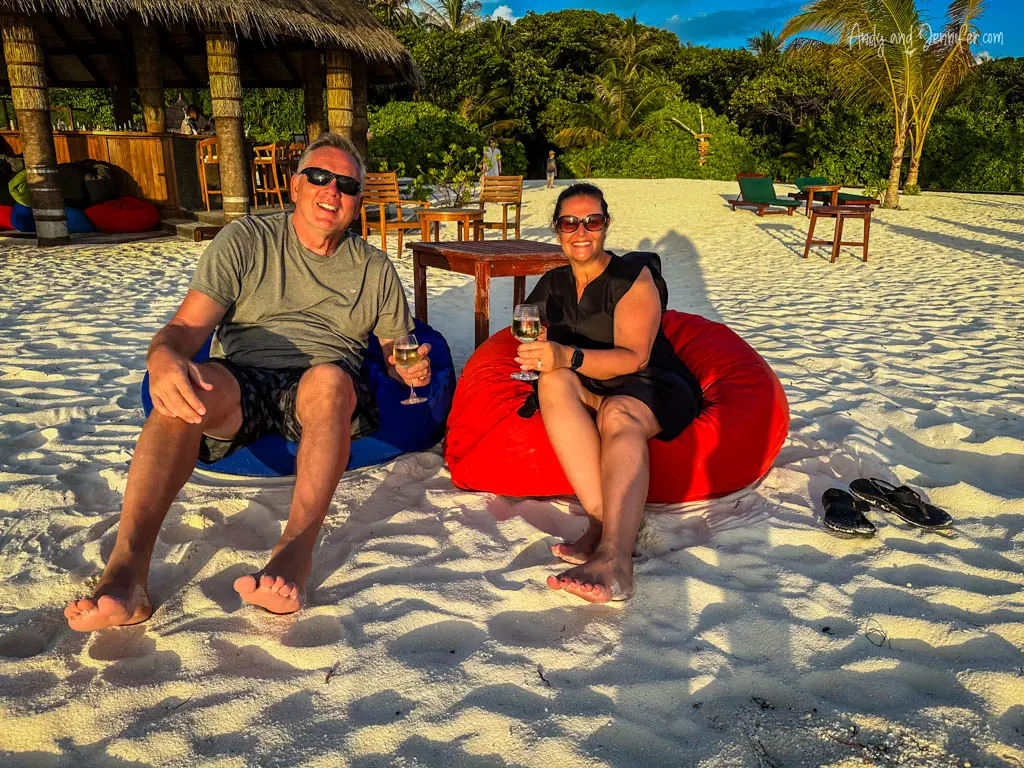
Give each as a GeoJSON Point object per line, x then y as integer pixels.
{"type": "Point", "coordinates": [740, 430]}
{"type": "Point", "coordinates": [126, 214]}
{"type": "Point", "coordinates": [5, 217]}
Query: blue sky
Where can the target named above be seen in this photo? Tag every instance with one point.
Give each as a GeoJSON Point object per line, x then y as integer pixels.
{"type": "Point", "coordinates": [727, 24]}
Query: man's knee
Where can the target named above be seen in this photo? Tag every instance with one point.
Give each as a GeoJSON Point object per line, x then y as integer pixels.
{"type": "Point", "coordinates": [224, 400]}
{"type": "Point", "coordinates": [325, 390]}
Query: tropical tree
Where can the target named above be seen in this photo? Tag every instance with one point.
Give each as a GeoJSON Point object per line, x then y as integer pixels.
{"type": "Point", "coordinates": [874, 55]}
{"type": "Point", "coordinates": [945, 64]}
{"type": "Point", "coordinates": [500, 36]}
{"type": "Point", "coordinates": [619, 110]}
{"type": "Point", "coordinates": [483, 108]}
{"type": "Point", "coordinates": [451, 15]}
{"type": "Point", "coordinates": [394, 12]}
{"type": "Point", "coordinates": [633, 49]}
{"type": "Point", "coordinates": [765, 44]}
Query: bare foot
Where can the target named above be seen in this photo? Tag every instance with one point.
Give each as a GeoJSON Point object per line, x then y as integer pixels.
{"type": "Point", "coordinates": [579, 551]}
{"type": "Point", "coordinates": [113, 605]}
{"type": "Point", "coordinates": [599, 580]}
{"type": "Point", "coordinates": [272, 593]}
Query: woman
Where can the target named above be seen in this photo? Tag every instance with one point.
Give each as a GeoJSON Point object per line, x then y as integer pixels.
{"type": "Point", "coordinates": [604, 354]}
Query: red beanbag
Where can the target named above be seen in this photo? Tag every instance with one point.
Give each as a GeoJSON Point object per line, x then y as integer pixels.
{"type": "Point", "coordinates": [741, 428]}
{"type": "Point", "coordinates": [125, 214]}
{"type": "Point", "coordinates": [5, 218]}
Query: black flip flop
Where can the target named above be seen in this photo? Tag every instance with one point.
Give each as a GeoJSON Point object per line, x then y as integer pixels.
{"type": "Point", "coordinates": [845, 514]}
{"type": "Point", "coordinates": [902, 501]}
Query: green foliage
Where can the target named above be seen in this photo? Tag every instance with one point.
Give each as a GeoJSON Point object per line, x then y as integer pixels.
{"type": "Point", "coordinates": [912, 189]}
{"type": "Point", "coordinates": [92, 107]}
{"type": "Point", "coordinates": [411, 133]}
{"type": "Point", "coordinates": [876, 187]}
{"type": "Point", "coordinates": [450, 177]}
{"type": "Point", "coordinates": [669, 152]}
{"type": "Point", "coordinates": [974, 149]}
{"type": "Point", "coordinates": [273, 114]}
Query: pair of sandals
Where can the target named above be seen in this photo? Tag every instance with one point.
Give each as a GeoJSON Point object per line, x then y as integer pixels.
{"type": "Point", "coordinates": [844, 513]}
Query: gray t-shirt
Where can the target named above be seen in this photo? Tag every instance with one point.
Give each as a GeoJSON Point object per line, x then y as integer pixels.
{"type": "Point", "coordinates": [289, 307]}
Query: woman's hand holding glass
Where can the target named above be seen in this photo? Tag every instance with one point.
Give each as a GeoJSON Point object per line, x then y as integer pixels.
{"type": "Point", "coordinates": [543, 355]}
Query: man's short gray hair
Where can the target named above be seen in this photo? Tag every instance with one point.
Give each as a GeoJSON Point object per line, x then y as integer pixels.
{"type": "Point", "coordinates": [335, 141]}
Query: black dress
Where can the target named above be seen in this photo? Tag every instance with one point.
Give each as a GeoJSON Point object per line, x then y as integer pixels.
{"type": "Point", "coordinates": [666, 385]}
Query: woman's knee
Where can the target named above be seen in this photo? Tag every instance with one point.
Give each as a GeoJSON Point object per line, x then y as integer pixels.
{"type": "Point", "coordinates": [623, 415]}
{"type": "Point", "coordinates": [557, 384]}
{"type": "Point", "coordinates": [324, 389]}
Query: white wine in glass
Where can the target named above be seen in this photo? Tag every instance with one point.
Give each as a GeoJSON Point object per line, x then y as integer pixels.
{"type": "Point", "coordinates": [526, 328]}
{"type": "Point", "coordinates": [407, 354]}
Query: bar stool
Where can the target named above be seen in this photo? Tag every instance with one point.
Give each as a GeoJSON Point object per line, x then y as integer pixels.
{"type": "Point", "coordinates": [209, 169]}
{"type": "Point", "coordinates": [269, 168]}
{"type": "Point", "coordinates": [839, 213]}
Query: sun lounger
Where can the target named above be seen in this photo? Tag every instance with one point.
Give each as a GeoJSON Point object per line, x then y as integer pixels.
{"type": "Point", "coordinates": [757, 191]}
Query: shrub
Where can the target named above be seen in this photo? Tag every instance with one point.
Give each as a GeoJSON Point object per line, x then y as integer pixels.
{"type": "Point", "coordinates": [912, 189]}
{"type": "Point", "coordinates": [876, 188]}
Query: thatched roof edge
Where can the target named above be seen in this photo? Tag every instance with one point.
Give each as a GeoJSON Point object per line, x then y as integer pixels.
{"type": "Point", "coordinates": [345, 23]}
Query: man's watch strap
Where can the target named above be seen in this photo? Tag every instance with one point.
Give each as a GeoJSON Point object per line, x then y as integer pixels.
{"type": "Point", "coordinates": [577, 359]}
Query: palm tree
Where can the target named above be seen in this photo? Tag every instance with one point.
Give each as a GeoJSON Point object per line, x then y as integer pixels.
{"type": "Point", "coordinates": [945, 65]}
{"type": "Point", "coordinates": [633, 48]}
{"type": "Point", "coordinates": [619, 110]}
{"type": "Point", "coordinates": [765, 44]}
{"type": "Point", "coordinates": [393, 12]}
{"type": "Point", "coordinates": [501, 35]}
{"type": "Point", "coordinates": [875, 57]}
{"type": "Point", "coordinates": [483, 105]}
{"type": "Point", "coordinates": [451, 15]}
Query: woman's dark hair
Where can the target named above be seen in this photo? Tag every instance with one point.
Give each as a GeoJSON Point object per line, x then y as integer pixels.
{"type": "Point", "coordinates": [580, 190]}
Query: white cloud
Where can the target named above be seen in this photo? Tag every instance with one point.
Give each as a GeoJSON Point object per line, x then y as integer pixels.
{"type": "Point", "coordinates": [505, 12]}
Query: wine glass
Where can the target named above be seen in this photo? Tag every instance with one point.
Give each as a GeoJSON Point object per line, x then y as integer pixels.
{"type": "Point", "coordinates": [526, 327]}
{"type": "Point", "coordinates": [407, 354]}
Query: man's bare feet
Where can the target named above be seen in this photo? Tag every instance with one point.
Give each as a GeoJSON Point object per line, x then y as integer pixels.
{"type": "Point", "coordinates": [272, 593]}
{"type": "Point", "coordinates": [119, 600]}
{"type": "Point", "coordinates": [599, 580]}
{"type": "Point", "coordinates": [579, 551]}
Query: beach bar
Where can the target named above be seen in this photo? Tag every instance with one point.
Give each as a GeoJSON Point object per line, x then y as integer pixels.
{"type": "Point", "coordinates": [155, 45]}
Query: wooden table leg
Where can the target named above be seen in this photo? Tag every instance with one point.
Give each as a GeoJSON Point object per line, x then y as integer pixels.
{"type": "Point", "coordinates": [518, 290]}
{"type": "Point", "coordinates": [419, 282]}
{"type": "Point", "coordinates": [424, 230]}
{"type": "Point", "coordinates": [867, 230]}
{"type": "Point", "coordinates": [810, 232]}
{"type": "Point", "coordinates": [483, 302]}
{"type": "Point", "coordinates": [837, 237]}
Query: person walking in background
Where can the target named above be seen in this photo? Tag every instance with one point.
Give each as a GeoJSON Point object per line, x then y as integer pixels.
{"type": "Point", "coordinates": [492, 159]}
{"type": "Point", "coordinates": [551, 169]}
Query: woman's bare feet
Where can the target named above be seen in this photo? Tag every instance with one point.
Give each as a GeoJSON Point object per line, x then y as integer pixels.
{"type": "Point", "coordinates": [119, 600]}
{"type": "Point", "coordinates": [599, 580]}
{"type": "Point", "coordinates": [581, 550]}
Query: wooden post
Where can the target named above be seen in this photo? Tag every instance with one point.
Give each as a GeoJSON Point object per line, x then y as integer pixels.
{"type": "Point", "coordinates": [339, 92]}
{"type": "Point", "coordinates": [25, 71]}
{"type": "Point", "coordinates": [151, 85]}
{"type": "Point", "coordinates": [360, 123]}
{"type": "Point", "coordinates": [313, 93]}
{"type": "Point", "coordinates": [226, 92]}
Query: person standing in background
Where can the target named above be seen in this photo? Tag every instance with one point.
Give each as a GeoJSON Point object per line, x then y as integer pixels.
{"type": "Point", "coordinates": [492, 159]}
{"type": "Point", "coordinates": [551, 169]}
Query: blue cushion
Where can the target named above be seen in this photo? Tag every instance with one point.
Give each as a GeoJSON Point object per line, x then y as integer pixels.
{"type": "Point", "coordinates": [23, 220]}
{"type": "Point", "coordinates": [403, 428]}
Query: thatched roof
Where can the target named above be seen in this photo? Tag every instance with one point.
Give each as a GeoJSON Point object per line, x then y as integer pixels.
{"type": "Point", "coordinates": [85, 41]}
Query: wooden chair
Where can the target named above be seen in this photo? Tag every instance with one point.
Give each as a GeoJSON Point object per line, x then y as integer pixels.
{"type": "Point", "coordinates": [380, 191]}
{"type": "Point", "coordinates": [295, 150]}
{"type": "Point", "coordinates": [208, 165]}
{"type": "Point", "coordinates": [269, 168]}
{"type": "Point", "coordinates": [506, 191]}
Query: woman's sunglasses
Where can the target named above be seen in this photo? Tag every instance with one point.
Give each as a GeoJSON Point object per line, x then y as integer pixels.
{"type": "Point", "coordinates": [321, 177]}
{"type": "Point", "coordinates": [591, 223]}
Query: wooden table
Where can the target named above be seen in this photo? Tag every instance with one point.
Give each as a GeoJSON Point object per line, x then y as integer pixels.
{"type": "Point", "coordinates": [839, 213]}
{"type": "Point", "coordinates": [483, 259]}
{"type": "Point", "coordinates": [431, 218]}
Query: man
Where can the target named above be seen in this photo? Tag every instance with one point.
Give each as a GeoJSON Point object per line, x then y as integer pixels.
{"type": "Point", "coordinates": [195, 123]}
{"type": "Point", "coordinates": [296, 298]}
{"type": "Point", "coordinates": [492, 159]}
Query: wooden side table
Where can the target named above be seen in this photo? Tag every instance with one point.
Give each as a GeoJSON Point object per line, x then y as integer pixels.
{"type": "Point", "coordinates": [483, 259]}
{"type": "Point", "coordinates": [839, 213]}
{"type": "Point", "coordinates": [431, 218]}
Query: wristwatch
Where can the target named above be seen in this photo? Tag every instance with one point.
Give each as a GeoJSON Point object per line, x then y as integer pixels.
{"type": "Point", "coordinates": [577, 359]}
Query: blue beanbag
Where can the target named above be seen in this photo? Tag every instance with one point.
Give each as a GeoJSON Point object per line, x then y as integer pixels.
{"type": "Point", "coordinates": [403, 428]}
{"type": "Point", "coordinates": [23, 220]}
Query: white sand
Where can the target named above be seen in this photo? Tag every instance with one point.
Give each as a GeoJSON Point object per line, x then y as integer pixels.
{"type": "Point", "coordinates": [755, 638]}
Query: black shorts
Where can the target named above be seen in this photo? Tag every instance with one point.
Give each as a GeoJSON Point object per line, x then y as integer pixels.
{"type": "Point", "coordinates": [670, 397]}
{"type": "Point", "coordinates": [268, 406]}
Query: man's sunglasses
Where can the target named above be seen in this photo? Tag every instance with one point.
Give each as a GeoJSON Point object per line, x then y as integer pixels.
{"type": "Point", "coordinates": [591, 223]}
{"type": "Point", "coordinates": [321, 177]}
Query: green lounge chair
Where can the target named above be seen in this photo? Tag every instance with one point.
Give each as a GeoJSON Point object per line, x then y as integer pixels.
{"type": "Point", "coordinates": [757, 191]}
{"type": "Point", "coordinates": [841, 198]}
